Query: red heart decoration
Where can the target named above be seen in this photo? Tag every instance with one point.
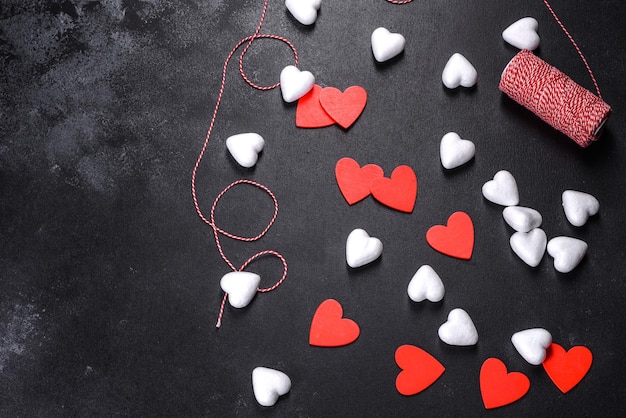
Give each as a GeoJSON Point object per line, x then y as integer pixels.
{"type": "Point", "coordinates": [456, 239]}
{"type": "Point", "coordinates": [329, 329]}
{"type": "Point", "coordinates": [399, 191]}
{"type": "Point", "coordinates": [354, 181]}
{"type": "Point", "coordinates": [498, 387]}
{"type": "Point", "coordinates": [419, 370]}
{"type": "Point", "coordinates": [567, 368]}
{"type": "Point", "coordinates": [345, 108]}
{"type": "Point", "coordinates": [310, 113]}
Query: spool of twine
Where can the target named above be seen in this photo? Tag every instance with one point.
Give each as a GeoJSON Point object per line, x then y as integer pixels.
{"type": "Point", "coordinates": [555, 98]}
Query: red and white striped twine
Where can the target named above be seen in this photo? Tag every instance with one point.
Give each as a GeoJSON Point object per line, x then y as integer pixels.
{"type": "Point", "coordinates": [553, 96]}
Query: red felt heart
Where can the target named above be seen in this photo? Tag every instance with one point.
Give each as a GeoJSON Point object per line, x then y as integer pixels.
{"type": "Point", "coordinates": [329, 329]}
{"type": "Point", "coordinates": [567, 368]}
{"type": "Point", "coordinates": [419, 370]}
{"type": "Point", "coordinates": [498, 387]}
{"type": "Point", "coordinates": [354, 181]}
{"type": "Point", "coordinates": [310, 113]}
{"type": "Point", "coordinates": [399, 191]}
{"type": "Point", "coordinates": [346, 107]}
{"type": "Point", "coordinates": [456, 239]}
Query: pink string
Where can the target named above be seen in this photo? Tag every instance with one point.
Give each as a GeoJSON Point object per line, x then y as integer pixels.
{"type": "Point", "coordinates": [399, 1]}
{"type": "Point", "coordinates": [211, 221]}
{"type": "Point", "coordinates": [580, 53]}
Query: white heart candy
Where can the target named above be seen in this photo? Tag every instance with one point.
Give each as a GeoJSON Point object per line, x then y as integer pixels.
{"type": "Point", "coordinates": [362, 249]}
{"type": "Point", "coordinates": [459, 72]}
{"type": "Point", "coordinates": [523, 34]}
{"type": "Point", "coordinates": [245, 148]}
{"type": "Point", "coordinates": [241, 287]}
{"type": "Point", "coordinates": [386, 45]}
{"type": "Point", "coordinates": [459, 329]}
{"type": "Point", "coordinates": [532, 344]}
{"type": "Point", "coordinates": [579, 206]}
{"type": "Point", "coordinates": [502, 190]}
{"type": "Point", "coordinates": [522, 219]}
{"type": "Point", "coordinates": [529, 246]}
{"type": "Point", "coordinates": [268, 384]}
{"type": "Point", "coordinates": [295, 83]}
{"type": "Point", "coordinates": [567, 252]}
{"type": "Point", "coordinates": [455, 151]}
{"type": "Point", "coordinates": [426, 285]}
{"type": "Point", "coordinates": [305, 11]}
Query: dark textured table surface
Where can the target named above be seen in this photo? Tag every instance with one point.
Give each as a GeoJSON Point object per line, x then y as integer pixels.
{"type": "Point", "coordinates": [109, 281]}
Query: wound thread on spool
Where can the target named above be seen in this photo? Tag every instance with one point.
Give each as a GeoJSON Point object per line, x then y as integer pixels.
{"type": "Point", "coordinates": [555, 98]}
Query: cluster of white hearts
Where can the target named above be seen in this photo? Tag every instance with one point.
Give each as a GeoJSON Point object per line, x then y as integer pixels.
{"type": "Point", "coordinates": [529, 242]}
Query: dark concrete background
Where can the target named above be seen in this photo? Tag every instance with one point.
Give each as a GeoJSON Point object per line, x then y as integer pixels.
{"type": "Point", "coordinates": [109, 282]}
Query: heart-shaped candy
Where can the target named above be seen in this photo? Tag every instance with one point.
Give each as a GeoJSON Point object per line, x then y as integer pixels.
{"type": "Point", "coordinates": [456, 239]}
{"type": "Point", "coordinates": [522, 219]}
{"type": "Point", "coordinates": [305, 11]}
{"type": "Point", "coordinates": [245, 148]}
{"type": "Point", "coordinates": [295, 83]}
{"type": "Point", "coordinates": [419, 369]}
{"type": "Point", "coordinates": [399, 191]}
{"type": "Point", "coordinates": [455, 151]}
{"type": "Point", "coordinates": [361, 249]}
{"type": "Point", "coordinates": [426, 285]}
{"type": "Point", "coordinates": [523, 34]}
{"type": "Point", "coordinates": [345, 108]}
{"type": "Point", "coordinates": [498, 387]}
{"type": "Point", "coordinates": [241, 287]}
{"type": "Point", "coordinates": [354, 181]}
{"type": "Point", "coordinates": [310, 113]}
{"type": "Point", "coordinates": [329, 328]}
{"type": "Point", "coordinates": [459, 72]}
{"type": "Point", "coordinates": [459, 329]}
{"type": "Point", "coordinates": [567, 252]}
{"type": "Point", "coordinates": [386, 45]}
{"type": "Point", "coordinates": [532, 344]}
{"type": "Point", "coordinates": [579, 206]}
{"type": "Point", "coordinates": [269, 384]}
{"type": "Point", "coordinates": [529, 246]}
{"type": "Point", "coordinates": [567, 368]}
{"type": "Point", "coordinates": [502, 190]}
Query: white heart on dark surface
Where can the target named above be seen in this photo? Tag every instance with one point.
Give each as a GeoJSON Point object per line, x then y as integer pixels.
{"type": "Point", "coordinates": [386, 45]}
{"type": "Point", "coordinates": [426, 285]}
{"type": "Point", "coordinates": [455, 151]}
{"type": "Point", "coordinates": [245, 148]}
{"type": "Point", "coordinates": [523, 34]}
{"type": "Point", "coordinates": [502, 190]}
{"type": "Point", "coordinates": [579, 206]}
{"type": "Point", "coordinates": [522, 219]}
{"type": "Point", "coordinates": [295, 83]}
{"type": "Point", "coordinates": [532, 344]}
{"type": "Point", "coordinates": [567, 252]}
{"type": "Point", "coordinates": [459, 72]}
{"type": "Point", "coordinates": [459, 329]}
{"type": "Point", "coordinates": [304, 11]}
{"type": "Point", "coordinates": [269, 384]}
{"type": "Point", "coordinates": [241, 287]}
{"type": "Point", "coordinates": [529, 246]}
{"type": "Point", "coordinates": [361, 249]}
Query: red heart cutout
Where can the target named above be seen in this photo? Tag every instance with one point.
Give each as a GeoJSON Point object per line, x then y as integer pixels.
{"type": "Point", "coordinates": [310, 113]}
{"type": "Point", "coordinates": [498, 387]}
{"type": "Point", "coordinates": [567, 368]}
{"type": "Point", "coordinates": [329, 329]}
{"type": "Point", "coordinates": [399, 191]}
{"type": "Point", "coordinates": [456, 239]}
{"type": "Point", "coordinates": [345, 108]}
{"type": "Point", "coordinates": [354, 181]}
{"type": "Point", "coordinates": [419, 370]}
